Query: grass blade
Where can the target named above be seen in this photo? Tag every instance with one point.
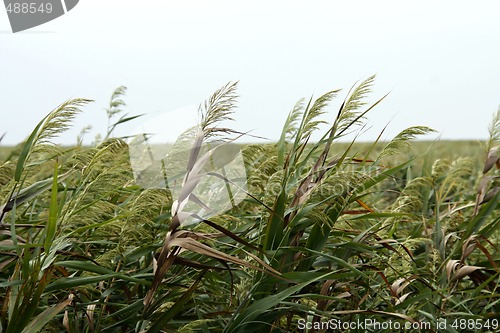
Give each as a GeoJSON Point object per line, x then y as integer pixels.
{"type": "Point", "coordinates": [37, 324]}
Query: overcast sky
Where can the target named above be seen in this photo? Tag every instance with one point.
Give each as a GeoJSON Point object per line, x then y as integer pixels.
{"type": "Point", "coordinates": [439, 59]}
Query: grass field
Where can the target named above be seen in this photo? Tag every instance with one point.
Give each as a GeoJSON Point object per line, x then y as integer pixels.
{"type": "Point", "coordinates": [4, 152]}
{"type": "Point", "coordinates": [293, 236]}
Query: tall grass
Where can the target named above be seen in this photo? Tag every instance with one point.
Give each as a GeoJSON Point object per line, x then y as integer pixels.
{"type": "Point", "coordinates": [327, 232]}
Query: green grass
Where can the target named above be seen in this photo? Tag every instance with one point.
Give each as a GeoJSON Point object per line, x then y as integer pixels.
{"type": "Point", "coordinates": [442, 149]}
{"type": "Point", "coordinates": [4, 152]}
{"type": "Point", "coordinates": [404, 230]}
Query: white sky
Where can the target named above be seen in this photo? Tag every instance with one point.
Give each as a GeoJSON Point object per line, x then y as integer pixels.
{"type": "Point", "coordinates": [439, 59]}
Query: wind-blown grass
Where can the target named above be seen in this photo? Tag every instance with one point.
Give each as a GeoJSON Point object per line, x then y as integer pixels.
{"type": "Point", "coordinates": [328, 231]}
